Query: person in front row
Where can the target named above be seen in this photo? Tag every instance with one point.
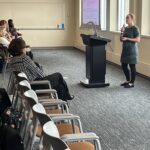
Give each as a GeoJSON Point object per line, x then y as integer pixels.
{"type": "Point", "coordinates": [4, 43]}
{"type": "Point", "coordinates": [12, 29]}
{"type": "Point", "coordinates": [22, 63]}
{"type": "Point", "coordinates": [130, 36]}
{"type": "Point", "coordinates": [3, 23]}
{"type": "Point", "coordinates": [3, 40]}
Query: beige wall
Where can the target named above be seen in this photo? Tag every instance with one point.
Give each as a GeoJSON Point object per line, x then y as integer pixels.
{"type": "Point", "coordinates": [113, 53]}
{"type": "Point", "coordinates": [42, 38]}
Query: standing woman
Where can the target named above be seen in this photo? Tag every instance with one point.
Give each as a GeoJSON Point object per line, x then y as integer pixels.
{"type": "Point", "coordinates": [23, 63]}
{"type": "Point", "coordinates": [130, 36]}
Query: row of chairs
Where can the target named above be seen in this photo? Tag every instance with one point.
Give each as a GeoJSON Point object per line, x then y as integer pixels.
{"type": "Point", "coordinates": [46, 119]}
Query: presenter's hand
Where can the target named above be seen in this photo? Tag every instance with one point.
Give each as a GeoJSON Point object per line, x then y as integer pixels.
{"type": "Point", "coordinates": [122, 28]}
{"type": "Point", "coordinates": [124, 39]}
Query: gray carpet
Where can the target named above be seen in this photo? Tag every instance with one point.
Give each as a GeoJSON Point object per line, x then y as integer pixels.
{"type": "Point", "coordinates": [120, 117]}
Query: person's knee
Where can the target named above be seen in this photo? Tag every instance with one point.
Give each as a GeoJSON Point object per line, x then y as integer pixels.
{"type": "Point", "coordinates": [124, 66]}
{"type": "Point", "coordinates": [133, 68]}
{"type": "Point", "coordinates": [59, 74]}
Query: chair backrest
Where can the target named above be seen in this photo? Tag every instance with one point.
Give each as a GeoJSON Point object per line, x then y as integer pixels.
{"type": "Point", "coordinates": [19, 76]}
{"type": "Point", "coordinates": [23, 75]}
{"type": "Point", "coordinates": [12, 81]}
{"type": "Point", "coordinates": [51, 137]}
{"type": "Point", "coordinates": [31, 97]}
{"type": "Point", "coordinates": [39, 108]}
{"type": "Point", "coordinates": [24, 85]}
{"type": "Point", "coordinates": [40, 112]}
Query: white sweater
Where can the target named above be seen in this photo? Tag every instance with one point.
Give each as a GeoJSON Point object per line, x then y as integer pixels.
{"type": "Point", "coordinates": [4, 41]}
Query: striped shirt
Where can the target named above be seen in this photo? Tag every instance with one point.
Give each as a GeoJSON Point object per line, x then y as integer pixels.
{"type": "Point", "coordinates": [23, 63]}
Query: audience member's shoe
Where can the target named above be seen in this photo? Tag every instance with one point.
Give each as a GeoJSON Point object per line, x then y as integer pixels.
{"type": "Point", "coordinates": [124, 84]}
{"type": "Point", "coordinates": [129, 85]}
{"type": "Point", "coordinates": [71, 97]}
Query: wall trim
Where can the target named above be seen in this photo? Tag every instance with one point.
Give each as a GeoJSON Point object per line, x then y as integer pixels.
{"type": "Point", "coordinates": [52, 48]}
{"type": "Point", "coordinates": [118, 66]}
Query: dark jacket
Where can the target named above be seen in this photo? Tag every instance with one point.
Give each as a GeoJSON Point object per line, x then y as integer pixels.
{"type": "Point", "coordinates": [10, 139]}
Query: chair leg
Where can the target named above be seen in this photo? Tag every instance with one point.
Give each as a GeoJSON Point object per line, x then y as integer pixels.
{"type": "Point", "coordinates": [98, 145]}
{"type": "Point", "coordinates": [34, 133]}
{"type": "Point", "coordinates": [9, 83]}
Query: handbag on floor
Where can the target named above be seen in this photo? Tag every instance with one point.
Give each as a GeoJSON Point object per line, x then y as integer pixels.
{"type": "Point", "coordinates": [4, 100]}
{"type": "Point", "coordinates": [8, 116]}
{"type": "Point", "coordinates": [1, 64]}
{"type": "Point", "coordinates": [11, 118]}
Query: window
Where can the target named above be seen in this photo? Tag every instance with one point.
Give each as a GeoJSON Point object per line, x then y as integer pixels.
{"type": "Point", "coordinates": [117, 16]}
{"type": "Point", "coordinates": [95, 11]}
{"type": "Point", "coordinates": [90, 11]}
{"type": "Point", "coordinates": [123, 10]}
{"type": "Point", "coordinates": [103, 14]}
{"type": "Point", "coordinates": [145, 20]}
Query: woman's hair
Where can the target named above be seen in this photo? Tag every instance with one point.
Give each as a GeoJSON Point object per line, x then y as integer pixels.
{"type": "Point", "coordinates": [132, 17]}
{"type": "Point", "coordinates": [3, 22]}
{"type": "Point", "coordinates": [10, 23]}
{"type": "Point", "coordinates": [16, 47]}
{"type": "Point", "coordinates": [2, 28]}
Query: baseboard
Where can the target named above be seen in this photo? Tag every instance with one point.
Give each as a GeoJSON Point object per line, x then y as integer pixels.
{"type": "Point", "coordinates": [52, 48]}
{"type": "Point", "coordinates": [118, 66]}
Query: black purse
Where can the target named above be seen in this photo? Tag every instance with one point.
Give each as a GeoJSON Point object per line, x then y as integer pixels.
{"type": "Point", "coordinates": [11, 118]}
{"type": "Point", "coordinates": [8, 116]}
{"type": "Point", "coordinates": [4, 101]}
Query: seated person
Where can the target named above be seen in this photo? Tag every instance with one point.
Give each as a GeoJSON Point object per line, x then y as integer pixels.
{"type": "Point", "coordinates": [3, 40]}
{"type": "Point", "coordinates": [12, 29]}
{"type": "Point", "coordinates": [3, 23]}
{"type": "Point", "coordinates": [28, 51]}
{"type": "Point", "coordinates": [9, 37]}
{"type": "Point", "coordinates": [22, 63]}
{"type": "Point", "coordinates": [15, 34]}
{"type": "Point", "coordinates": [4, 43]}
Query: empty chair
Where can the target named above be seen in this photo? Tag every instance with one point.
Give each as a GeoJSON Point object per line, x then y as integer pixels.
{"type": "Point", "coordinates": [73, 124]}
{"type": "Point", "coordinates": [52, 140]}
{"type": "Point", "coordinates": [66, 127]}
{"type": "Point", "coordinates": [32, 99]}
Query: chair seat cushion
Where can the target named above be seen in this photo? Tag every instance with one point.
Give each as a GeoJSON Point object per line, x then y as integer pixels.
{"type": "Point", "coordinates": [54, 111]}
{"type": "Point", "coordinates": [66, 128]}
{"type": "Point", "coordinates": [63, 128]}
{"type": "Point", "coordinates": [81, 146]}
